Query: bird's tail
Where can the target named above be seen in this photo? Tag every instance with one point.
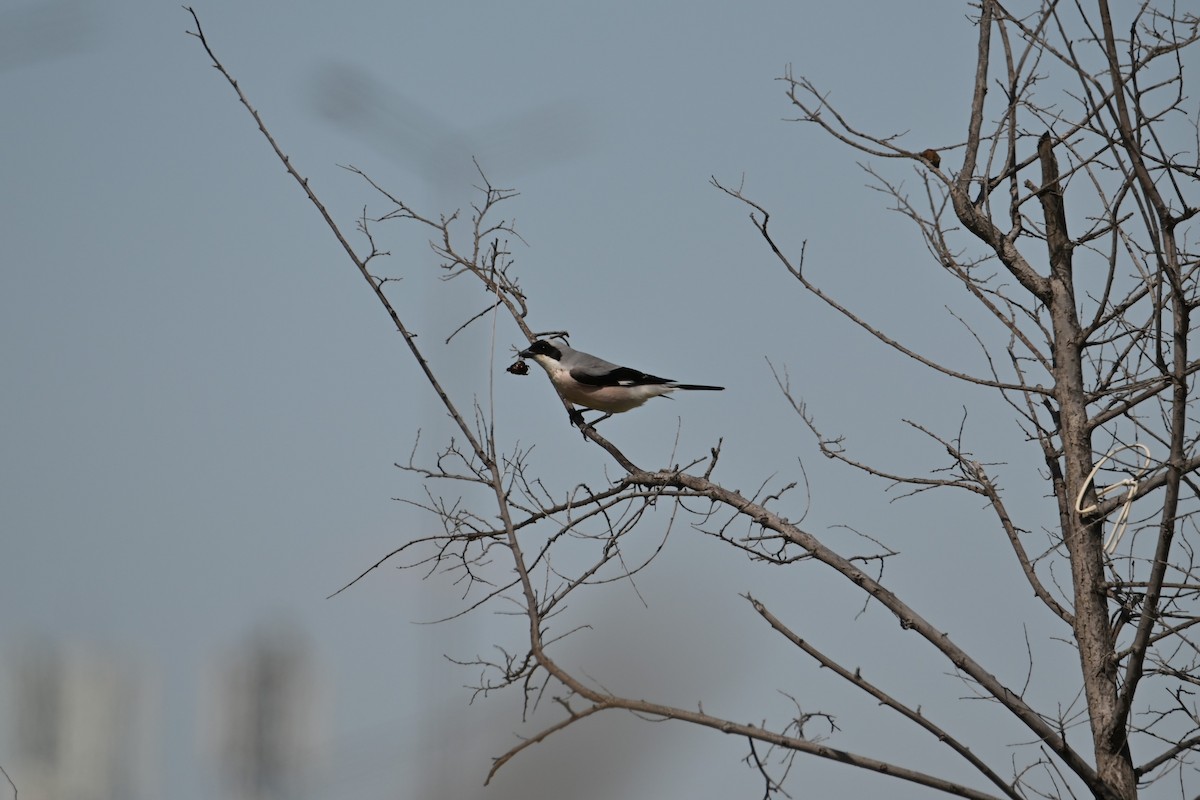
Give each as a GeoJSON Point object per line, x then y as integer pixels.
{"type": "Point", "coordinates": [698, 387]}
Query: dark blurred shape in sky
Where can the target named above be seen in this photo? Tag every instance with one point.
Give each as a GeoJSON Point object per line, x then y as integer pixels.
{"type": "Point", "coordinates": [439, 151]}
{"type": "Point", "coordinates": [41, 31]}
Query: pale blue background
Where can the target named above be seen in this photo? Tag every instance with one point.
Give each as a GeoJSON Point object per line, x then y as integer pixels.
{"type": "Point", "coordinates": [202, 401]}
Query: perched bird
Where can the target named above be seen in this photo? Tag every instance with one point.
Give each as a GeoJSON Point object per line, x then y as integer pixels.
{"type": "Point", "coordinates": [594, 383]}
{"type": "Point", "coordinates": [932, 156]}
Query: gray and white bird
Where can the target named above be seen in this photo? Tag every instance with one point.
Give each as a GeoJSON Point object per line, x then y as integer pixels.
{"type": "Point", "coordinates": [592, 382]}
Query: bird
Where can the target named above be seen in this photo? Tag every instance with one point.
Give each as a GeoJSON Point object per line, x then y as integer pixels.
{"type": "Point", "coordinates": [594, 383]}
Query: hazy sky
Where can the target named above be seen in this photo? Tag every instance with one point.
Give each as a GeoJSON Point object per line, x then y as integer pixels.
{"type": "Point", "coordinates": [203, 402]}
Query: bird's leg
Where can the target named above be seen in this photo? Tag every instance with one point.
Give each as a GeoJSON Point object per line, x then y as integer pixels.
{"type": "Point", "coordinates": [578, 420]}
{"type": "Point", "coordinates": [592, 425]}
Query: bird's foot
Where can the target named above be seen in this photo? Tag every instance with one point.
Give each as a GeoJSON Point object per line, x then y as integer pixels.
{"type": "Point", "coordinates": [584, 426]}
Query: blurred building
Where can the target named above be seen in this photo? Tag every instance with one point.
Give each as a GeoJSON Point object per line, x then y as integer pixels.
{"type": "Point", "coordinates": [82, 724]}
{"type": "Point", "coordinates": [263, 724]}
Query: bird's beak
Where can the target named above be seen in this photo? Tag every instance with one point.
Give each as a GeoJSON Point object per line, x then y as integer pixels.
{"type": "Point", "coordinates": [525, 353]}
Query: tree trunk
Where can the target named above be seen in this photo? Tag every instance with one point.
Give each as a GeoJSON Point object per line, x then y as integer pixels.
{"type": "Point", "coordinates": [1083, 535]}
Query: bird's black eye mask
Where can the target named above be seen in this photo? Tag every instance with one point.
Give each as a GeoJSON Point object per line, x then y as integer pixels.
{"type": "Point", "coordinates": [543, 348]}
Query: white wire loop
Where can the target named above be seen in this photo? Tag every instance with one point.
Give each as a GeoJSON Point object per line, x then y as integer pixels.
{"type": "Point", "coordinates": [1130, 484]}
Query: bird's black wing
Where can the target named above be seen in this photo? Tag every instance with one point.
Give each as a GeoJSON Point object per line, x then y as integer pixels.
{"type": "Point", "coordinates": [621, 376]}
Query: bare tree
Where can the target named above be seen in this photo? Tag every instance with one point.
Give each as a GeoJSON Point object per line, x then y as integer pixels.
{"type": "Point", "coordinates": [1067, 226]}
